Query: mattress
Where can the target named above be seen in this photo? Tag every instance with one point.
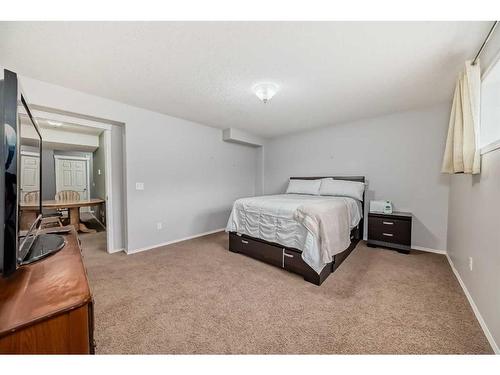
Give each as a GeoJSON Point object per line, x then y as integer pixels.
{"type": "Point", "coordinates": [271, 218]}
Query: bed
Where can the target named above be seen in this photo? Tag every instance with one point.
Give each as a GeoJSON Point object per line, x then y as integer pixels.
{"type": "Point", "coordinates": [270, 229]}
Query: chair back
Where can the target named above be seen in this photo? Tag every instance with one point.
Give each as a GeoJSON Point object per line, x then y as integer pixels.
{"type": "Point", "coordinates": [67, 195]}
{"type": "Point", "coordinates": [31, 197]}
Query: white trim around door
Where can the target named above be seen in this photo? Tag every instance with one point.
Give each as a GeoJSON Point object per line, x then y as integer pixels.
{"type": "Point", "coordinates": [108, 185]}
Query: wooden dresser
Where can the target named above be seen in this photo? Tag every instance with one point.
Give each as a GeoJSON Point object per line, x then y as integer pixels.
{"type": "Point", "coordinates": [46, 307]}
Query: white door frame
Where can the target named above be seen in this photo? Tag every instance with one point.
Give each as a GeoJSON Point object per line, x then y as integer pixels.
{"type": "Point", "coordinates": [108, 186]}
{"type": "Point", "coordinates": [107, 165]}
{"type": "Point", "coordinates": [64, 157]}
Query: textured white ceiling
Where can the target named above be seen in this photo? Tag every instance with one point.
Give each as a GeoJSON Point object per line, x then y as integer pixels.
{"type": "Point", "coordinates": [329, 72]}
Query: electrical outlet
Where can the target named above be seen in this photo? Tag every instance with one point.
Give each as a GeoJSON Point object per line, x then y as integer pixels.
{"type": "Point", "coordinates": [159, 226]}
{"type": "Point", "coordinates": [471, 263]}
{"type": "Point", "coordinates": [139, 186]}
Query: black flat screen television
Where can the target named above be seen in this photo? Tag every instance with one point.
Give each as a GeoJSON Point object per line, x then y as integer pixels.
{"type": "Point", "coordinates": [8, 172]}
{"type": "Point", "coordinates": [29, 168]}
{"type": "Point", "coordinates": [20, 223]}
{"type": "Point", "coordinates": [21, 182]}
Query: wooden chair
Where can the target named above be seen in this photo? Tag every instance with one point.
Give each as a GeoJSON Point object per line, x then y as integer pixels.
{"type": "Point", "coordinates": [32, 197]}
{"type": "Point", "coordinates": [67, 195]}
{"type": "Point", "coordinates": [49, 219]}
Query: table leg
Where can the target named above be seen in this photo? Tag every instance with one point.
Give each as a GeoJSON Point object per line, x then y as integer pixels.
{"type": "Point", "coordinates": [74, 219]}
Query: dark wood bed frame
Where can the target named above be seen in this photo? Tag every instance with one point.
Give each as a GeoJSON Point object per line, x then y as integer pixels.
{"type": "Point", "coordinates": [290, 259]}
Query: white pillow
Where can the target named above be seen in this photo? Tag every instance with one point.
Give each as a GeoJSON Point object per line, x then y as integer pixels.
{"type": "Point", "coordinates": [310, 187]}
{"type": "Point", "coordinates": [341, 188]}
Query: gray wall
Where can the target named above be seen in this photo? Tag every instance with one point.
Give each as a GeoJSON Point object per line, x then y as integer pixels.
{"type": "Point", "coordinates": [191, 176]}
{"type": "Point", "coordinates": [399, 154]}
{"type": "Point", "coordinates": [473, 227]}
{"type": "Point", "coordinates": [473, 231]}
{"type": "Point", "coordinates": [49, 174]}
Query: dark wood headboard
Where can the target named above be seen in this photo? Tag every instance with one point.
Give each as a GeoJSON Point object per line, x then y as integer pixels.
{"type": "Point", "coordinates": [345, 178]}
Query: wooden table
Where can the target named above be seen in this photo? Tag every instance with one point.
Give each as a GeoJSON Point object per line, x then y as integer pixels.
{"type": "Point", "coordinates": [72, 205]}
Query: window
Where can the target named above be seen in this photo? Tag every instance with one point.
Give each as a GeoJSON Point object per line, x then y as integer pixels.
{"type": "Point", "coordinates": [490, 109]}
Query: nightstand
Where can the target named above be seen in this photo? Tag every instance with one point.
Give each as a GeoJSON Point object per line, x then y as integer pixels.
{"type": "Point", "coordinates": [390, 230]}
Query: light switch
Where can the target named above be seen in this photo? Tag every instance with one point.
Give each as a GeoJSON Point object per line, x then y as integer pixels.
{"type": "Point", "coordinates": [139, 186]}
{"type": "Point", "coordinates": [98, 171]}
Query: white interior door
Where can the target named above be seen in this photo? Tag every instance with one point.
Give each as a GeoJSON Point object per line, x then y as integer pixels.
{"type": "Point", "coordinates": [72, 174]}
{"type": "Point", "coordinates": [30, 178]}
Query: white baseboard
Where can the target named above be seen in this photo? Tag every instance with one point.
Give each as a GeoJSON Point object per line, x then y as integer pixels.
{"type": "Point", "coordinates": [174, 241]}
{"type": "Point", "coordinates": [479, 318]}
{"type": "Point", "coordinates": [116, 251]}
{"type": "Point", "coordinates": [421, 248]}
{"type": "Point", "coordinates": [443, 252]}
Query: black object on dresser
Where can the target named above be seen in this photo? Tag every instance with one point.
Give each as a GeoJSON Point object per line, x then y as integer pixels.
{"type": "Point", "coordinates": [390, 230]}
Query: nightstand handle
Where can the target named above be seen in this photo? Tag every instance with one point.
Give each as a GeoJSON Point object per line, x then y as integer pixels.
{"type": "Point", "coordinates": [388, 234]}
{"type": "Point", "coordinates": [243, 241]}
{"type": "Point", "coordinates": [388, 222]}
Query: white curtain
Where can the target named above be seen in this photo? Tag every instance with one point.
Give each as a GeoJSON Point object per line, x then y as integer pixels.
{"type": "Point", "coordinates": [462, 145]}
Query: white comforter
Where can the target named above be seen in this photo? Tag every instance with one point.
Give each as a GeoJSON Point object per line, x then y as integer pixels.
{"type": "Point", "coordinates": [273, 218]}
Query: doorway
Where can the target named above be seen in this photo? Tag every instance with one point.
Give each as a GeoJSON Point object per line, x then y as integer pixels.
{"type": "Point", "coordinates": [94, 169]}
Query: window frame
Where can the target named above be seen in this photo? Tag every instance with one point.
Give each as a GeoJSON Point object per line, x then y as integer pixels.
{"type": "Point", "coordinates": [494, 145]}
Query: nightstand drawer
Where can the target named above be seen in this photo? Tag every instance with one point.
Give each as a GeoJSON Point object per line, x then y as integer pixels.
{"type": "Point", "coordinates": [389, 230]}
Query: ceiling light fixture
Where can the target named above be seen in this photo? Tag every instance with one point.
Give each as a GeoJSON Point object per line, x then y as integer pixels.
{"type": "Point", "coordinates": [265, 90]}
{"type": "Point", "coordinates": [54, 123]}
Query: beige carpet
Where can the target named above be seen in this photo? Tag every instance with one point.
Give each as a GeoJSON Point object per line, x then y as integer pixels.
{"type": "Point", "coordinates": [197, 297]}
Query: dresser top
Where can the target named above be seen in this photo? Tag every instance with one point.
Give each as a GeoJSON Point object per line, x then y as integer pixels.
{"type": "Point", "coordinates": [45, 288]}
{"type": "Point", "coordinates": [395, 215]}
